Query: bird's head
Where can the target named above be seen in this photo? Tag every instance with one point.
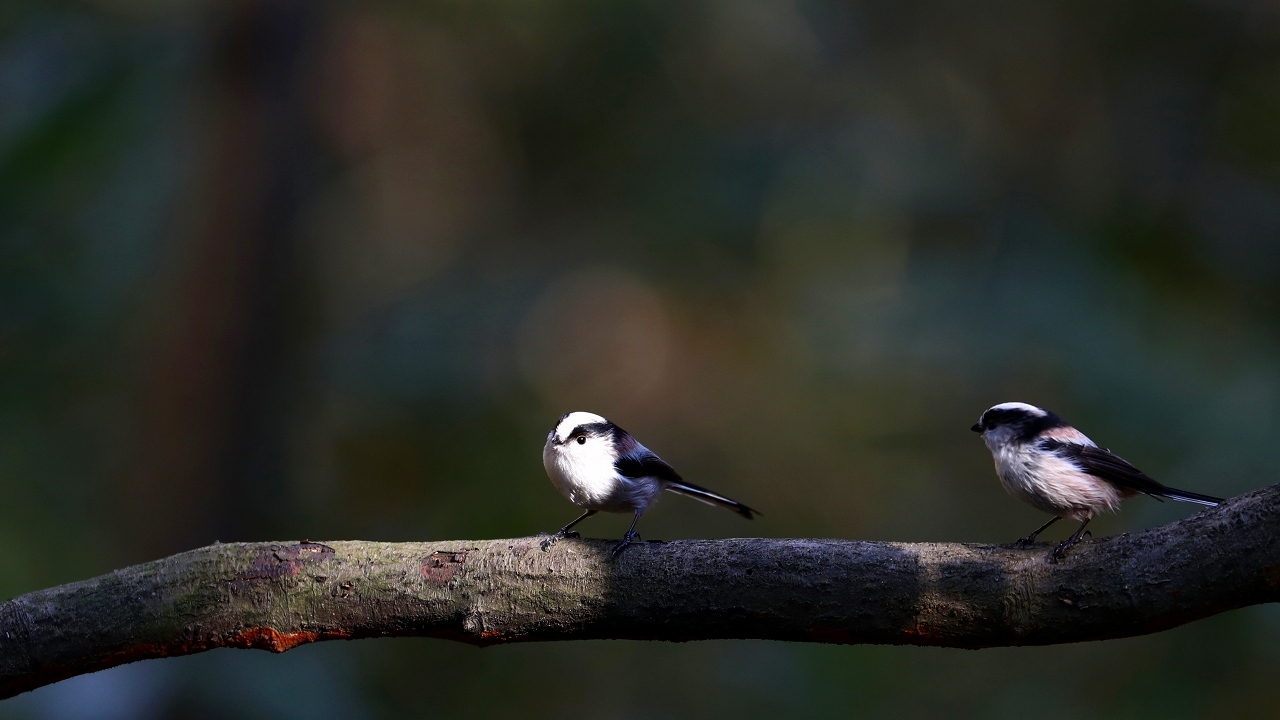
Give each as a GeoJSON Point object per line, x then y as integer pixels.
{"type": "Point", "coordinates": [578, 432]}
{"type": "Point", "coordinates": [1014, 422]}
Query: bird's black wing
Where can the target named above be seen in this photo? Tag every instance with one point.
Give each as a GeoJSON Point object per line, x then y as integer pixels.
{"type": "Point", "coordinates": [1105, 464]}
{"type": "Point", "coordinates": [1102, 463]}
{"type": "Point", "coordinates": [646, 464]}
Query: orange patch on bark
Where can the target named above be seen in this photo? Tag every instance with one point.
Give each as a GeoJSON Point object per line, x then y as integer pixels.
{"type": "Point", "coordinates": [256, 638]}
{"type": "Point", "coordinates": [266, 638]}
{"type": "Point", "coordinates": [926, 633]}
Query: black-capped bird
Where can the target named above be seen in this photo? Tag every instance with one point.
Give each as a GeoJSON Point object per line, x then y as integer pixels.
{"type": "Point", "coordinates": [1054, 467]}
{"type": "Point", "coordinates": [599, 466]}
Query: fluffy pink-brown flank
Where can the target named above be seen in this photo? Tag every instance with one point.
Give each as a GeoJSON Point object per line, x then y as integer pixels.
{"type": "Point", "coordinates": [1067, 434]}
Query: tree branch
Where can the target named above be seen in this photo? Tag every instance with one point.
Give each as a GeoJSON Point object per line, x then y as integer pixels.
{"type": "Point", "coordinates": [278, 596]}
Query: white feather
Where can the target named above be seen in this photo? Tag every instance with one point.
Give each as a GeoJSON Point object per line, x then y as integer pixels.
{"type": "Point", "coordinates": [582, 473]}
{"type": "Point", "coordinates": [1031, 409]}
{"type": "Point", "coordinates": [1052, 483]}
{"type": "Point", "coordinates": [586, 474]}
{"type": "Point", "coordinates": [573, 420]}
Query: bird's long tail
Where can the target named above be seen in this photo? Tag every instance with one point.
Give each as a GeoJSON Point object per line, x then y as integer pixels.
{"type": "Point", "coordinates": [1190, 497]}
{"type": "Point", "coordinates": [710, 498]}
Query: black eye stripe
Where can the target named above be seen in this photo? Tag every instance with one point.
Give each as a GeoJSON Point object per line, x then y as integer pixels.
{"type": "Point", "coordinates": [592, 430]}
{"type": "Point", "coordinates": [604, 429]}
{"type": "Point", "coordinates": [1025, 425]}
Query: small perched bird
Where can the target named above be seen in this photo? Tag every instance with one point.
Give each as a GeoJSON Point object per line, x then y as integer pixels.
{"type": "Point", "coordinates": [600, 467]}
{"type": "Point", "coordinates": [1054, 467]}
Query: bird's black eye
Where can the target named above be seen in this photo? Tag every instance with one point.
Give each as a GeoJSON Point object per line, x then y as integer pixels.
{"type": "Point", "coordinates": [582, 439]}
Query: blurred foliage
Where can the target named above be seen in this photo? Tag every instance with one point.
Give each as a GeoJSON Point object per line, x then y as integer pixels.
{"type": "Point", "coordinates": [283, 269]}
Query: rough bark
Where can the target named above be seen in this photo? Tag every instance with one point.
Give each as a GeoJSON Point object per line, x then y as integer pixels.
{"type": "Point", "coordinates": [275, 596]}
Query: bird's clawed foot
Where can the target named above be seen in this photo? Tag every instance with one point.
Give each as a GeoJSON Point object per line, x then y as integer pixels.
{"type": "Point", "coordinates": [553, 539]}
{"type": "Point", "coordinates": [626, 540]}
{"type": "Point", "coordinates": [1060, 551]}
{"type": "Point", "coordinates": [1030, 540]}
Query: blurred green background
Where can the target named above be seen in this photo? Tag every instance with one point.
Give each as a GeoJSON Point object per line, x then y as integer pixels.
{"type": "Point", "coordinates": [286, 269]}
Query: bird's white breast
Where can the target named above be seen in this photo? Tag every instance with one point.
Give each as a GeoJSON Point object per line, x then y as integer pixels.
{"type": "Point", "coordinates": [584, 474]}
{"type": "Point", "coordinates": [1052, 483]}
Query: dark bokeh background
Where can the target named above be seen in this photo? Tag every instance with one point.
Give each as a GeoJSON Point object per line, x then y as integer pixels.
{"type": "Point", "coordinates": [286, 269]}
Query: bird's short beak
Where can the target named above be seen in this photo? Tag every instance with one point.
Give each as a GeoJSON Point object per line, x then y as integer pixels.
{"type": "Point", "coordinates": [977, 427]}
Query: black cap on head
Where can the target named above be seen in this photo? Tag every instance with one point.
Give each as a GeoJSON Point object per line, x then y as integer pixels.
{"type": "Point", "coordinates": [1027, 420]}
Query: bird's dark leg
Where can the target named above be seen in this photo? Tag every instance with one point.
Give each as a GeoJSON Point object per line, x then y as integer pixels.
{"type": "Point", "coordinates": [1061, 551]}
{"type": "Point", "coordinates": [1032, 537]}
{"type": "Point", "coordinates": [631, 535]}
{"type": "Point", "coordinates": [564, 531]}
